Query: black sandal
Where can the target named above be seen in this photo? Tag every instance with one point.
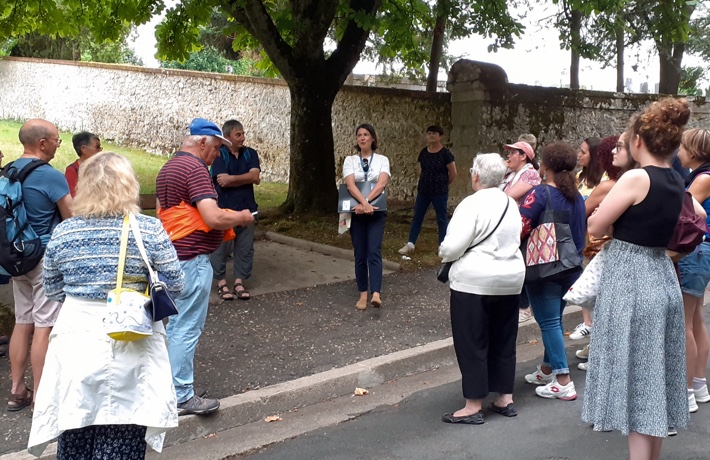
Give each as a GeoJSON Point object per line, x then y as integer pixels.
{"type": "Point", "coordinates": [224, 293]}
{"type": "Point", "coordinates": [242, 294]}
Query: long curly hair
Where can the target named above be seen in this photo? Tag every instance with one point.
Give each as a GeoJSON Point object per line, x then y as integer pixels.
{"type": "Point", "coordinates": [561, 159]}
{"type": "Point", "coordinates": [606, 157]}
{"type": "Point", "coordinates": [661, 126]}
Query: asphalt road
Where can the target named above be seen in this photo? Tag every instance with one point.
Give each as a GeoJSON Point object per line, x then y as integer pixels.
{"type": "Point", "coordinates": [543, 430]}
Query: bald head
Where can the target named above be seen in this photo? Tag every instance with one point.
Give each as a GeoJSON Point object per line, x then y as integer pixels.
{"type": "Point", "coordinates": [36, 129]}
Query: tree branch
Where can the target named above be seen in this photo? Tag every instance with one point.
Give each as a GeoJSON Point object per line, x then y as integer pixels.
{"type": "Point", "coordinates": [346, 55]}
{"type": "Point", "coordinates": [313, 19]}
{"type": "Point", "coordinates": [256, 20]}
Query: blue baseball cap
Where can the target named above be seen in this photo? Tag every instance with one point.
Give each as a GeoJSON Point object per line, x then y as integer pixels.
{"type": "Point", "coordinates": [202, 127]}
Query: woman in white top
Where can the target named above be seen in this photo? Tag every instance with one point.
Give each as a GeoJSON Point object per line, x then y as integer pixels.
{"type": "Point", "coordinates": [367, 226]}
{"type": "Point", "coordinates": [486, 277]}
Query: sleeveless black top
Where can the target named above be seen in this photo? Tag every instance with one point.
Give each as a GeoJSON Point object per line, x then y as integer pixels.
{"type": "Point", "coordinates": [651, 222]}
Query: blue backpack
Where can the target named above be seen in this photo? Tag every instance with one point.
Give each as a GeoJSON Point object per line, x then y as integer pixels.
{"type": "Point", "coordinates": [21, 248]}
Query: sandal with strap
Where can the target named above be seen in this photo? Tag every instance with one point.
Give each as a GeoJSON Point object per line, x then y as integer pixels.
{"type": "Point", "coordinates": [19, 402]}
{"type": "Point", "coordinates": [223, 292]}
{"type": "Point", "coordinates": [242, 294]}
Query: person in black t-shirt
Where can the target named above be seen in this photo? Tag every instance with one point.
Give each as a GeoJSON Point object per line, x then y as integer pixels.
{"type": "Point", "coordinates": [438, 171]}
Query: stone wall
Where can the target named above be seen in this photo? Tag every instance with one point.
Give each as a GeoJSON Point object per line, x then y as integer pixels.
{"type": "Point", "coordinates": [151, 109]}
{"type": "Point", "coordinates": [487, 112]}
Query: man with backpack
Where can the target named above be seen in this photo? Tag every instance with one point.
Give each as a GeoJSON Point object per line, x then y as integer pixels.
{"type": "Point", "coordinates": [47, 201]}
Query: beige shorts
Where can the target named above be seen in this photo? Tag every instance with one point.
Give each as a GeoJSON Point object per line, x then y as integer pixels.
{"type": "Point", "coordinates": [31, 305]}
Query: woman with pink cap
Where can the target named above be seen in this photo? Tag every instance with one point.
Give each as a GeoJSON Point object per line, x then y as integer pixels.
{"type": "Point", "coordinates": [521, 177]}
{"type": "Point", "coordinates": [522, 173]}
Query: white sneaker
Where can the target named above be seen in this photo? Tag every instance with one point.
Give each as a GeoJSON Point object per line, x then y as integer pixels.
{"type": "Point", "coordinates": [583, 353]}
{"type": "Point", "coordinates": [524, 315]}
{"type": "Point", "coordinates": [580, 332]}
{"type": "Point", "coordinates": [554, 390]}
{"type": "Point", "coordinates": [701, 395]}
{"type": "Point", "coordinates": [583, 366]}
{"type": "Point", "coordinates": [692, 405]}
{"type": "Point", "coordinates": [407, 249]}
{"type": "Point", "coordinates": [538, 377]}
{"type": "Point", "coordinates": [672, 431]}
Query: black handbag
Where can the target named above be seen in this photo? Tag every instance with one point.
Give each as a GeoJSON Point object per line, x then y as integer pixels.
{"type": "Point", "coordinates": [550, 252]}
{"type": "Point", "coordinates": [443, 273]}
{"type": "Point", "coordinates": [161, 303]}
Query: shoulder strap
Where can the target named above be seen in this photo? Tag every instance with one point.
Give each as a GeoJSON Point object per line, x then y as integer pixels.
{"type": "Point", "coordinates": [505, 211]}
{"type": "Point", "coordinates": [27, 170]}
{"type": "Point", "coordinates": [141, 248]}
{"type": "Point", "coordinates": [122, 253]}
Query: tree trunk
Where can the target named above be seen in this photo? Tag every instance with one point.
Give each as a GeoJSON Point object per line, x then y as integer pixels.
{"type": "Point", "coordinates": [575, 25]}
{"type": "Point", "coordinates": [437, 45]}
{"type": "Point", "coordinates": [670, 57]}
{"type": "Point", "coordinates": [619, 60]}
{"type": "Point", "coordinates": [311, 187]}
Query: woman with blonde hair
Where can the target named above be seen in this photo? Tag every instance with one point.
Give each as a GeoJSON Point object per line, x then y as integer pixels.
{"type": "Point", "coordinates": [694, 269]}
{"type": "Point", "coordinates": [100, 397]}
{"type": "Point", "coordinates": [636, 378]}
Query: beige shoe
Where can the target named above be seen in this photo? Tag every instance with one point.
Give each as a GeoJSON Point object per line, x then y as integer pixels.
{"type": "Point", "coordinates": [524, 315]}
{"type": "Point", "coordinates": [361, 304]}
{"type": "Point", "coordinates": [406, 250]}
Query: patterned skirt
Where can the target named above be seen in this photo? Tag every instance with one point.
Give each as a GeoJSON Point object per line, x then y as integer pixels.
{"type": "Point", "coordinates": [637, 377]}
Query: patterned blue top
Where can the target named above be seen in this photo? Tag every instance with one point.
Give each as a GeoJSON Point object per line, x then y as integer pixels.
{"type": "Point", "coordinates": [82, 258]}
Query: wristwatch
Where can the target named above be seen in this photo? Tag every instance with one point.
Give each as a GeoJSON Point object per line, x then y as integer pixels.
{"type": "Point", "coordinates": [367, 199]}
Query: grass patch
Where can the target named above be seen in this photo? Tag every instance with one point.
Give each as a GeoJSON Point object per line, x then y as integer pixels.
{"type": "Point", "coordinates": [320, 228]}
{"type": "Point", "coordinates": [144, 164]}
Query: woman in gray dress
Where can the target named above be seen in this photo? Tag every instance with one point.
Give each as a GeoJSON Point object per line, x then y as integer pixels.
{"type": "Point", "coordinates": [636, 378]}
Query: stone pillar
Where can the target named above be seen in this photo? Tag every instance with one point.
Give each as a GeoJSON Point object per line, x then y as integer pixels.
{"type": "Point", "coordinates": [470, 84]}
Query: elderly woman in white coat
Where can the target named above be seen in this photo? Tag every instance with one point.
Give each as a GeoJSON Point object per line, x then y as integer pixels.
{"type": "Point", "coordinates": [486, 277]}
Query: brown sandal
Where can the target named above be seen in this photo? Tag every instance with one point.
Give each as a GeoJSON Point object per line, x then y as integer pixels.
{"type": "Point", "coordinates": [242, 294]}
{"type": "Point", "coordinates": [19, 402]}
{"type": "Point", "coordinates": [224, 293]}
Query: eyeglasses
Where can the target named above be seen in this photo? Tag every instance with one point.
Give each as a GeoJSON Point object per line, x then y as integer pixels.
{"type": "Point", "coordinates": [58, 140]}
{"type": "Point", "coordinates": [471, 170]}
{"type": "Point", "coordinates": [620, 145]}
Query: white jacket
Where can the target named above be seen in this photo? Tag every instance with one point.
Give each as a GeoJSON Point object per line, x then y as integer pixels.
{"type": "Point", "coordinates": [495, 265]}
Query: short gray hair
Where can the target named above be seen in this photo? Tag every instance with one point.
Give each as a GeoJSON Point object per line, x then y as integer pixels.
{"type": "Point", "coordinates": [490, 168]}
{"type": "Point", "coordinates": [192, 140]}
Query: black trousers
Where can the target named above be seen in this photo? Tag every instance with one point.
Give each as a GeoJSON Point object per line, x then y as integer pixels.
{"type": "Point", "coordinates": [485, 329]}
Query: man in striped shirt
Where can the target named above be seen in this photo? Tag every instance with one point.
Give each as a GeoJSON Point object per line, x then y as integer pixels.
{"type": "Point", "coordinates": [185, 179]}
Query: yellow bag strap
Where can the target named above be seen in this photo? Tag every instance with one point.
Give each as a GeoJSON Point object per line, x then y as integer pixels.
{"type": "Point", "coordinates": [122, 253]}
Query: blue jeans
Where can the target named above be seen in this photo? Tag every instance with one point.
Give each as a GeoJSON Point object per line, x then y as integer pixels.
{"type": "Point", "coordinates": [185, 328]}
{"type": "Point", "coordinates": [420, 208]}
{"type": "Point", "coordinates": [547, 306]}
{"type": "Point", "coordinates": [366, 232]}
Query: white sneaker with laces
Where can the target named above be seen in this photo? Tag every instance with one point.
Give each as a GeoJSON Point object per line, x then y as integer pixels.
{"type": "Point", "coordinates": [580, 332]}
{"type": "Point", "coordinates": [702, 395]}
{"type": "Point", "coordinates": [672, 431]}
{"type": "Point", "coordinates": [583, 366]}
{"type": "Point", "coordinates": [554, 390]}
{"type": "Point", "coordinates": [583, 353]}
{"type": "Point", "coordinates": [538, 377]}
{"type": "Point", "coordinates": [407, 249]}
{"type": "Point", "coordinates": [692, 405]}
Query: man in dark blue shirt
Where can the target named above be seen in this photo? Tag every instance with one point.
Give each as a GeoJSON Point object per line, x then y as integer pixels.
{"type": "Point", "coordinates": [235, 171]}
